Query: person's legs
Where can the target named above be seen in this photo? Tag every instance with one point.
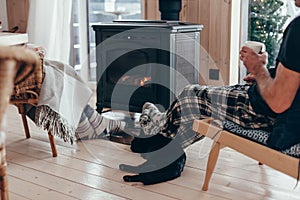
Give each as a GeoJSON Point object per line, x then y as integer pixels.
{"type": "Point", "coordinates": [85, 130]}
{"type": "Point", "coordinates": [195, 102]}
{"type": "Point", "coordinates": [198, 102]}
{"type": "Point", "coordinates": [93, 125]}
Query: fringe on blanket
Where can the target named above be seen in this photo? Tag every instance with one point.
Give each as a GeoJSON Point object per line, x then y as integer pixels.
{"type": "Point", "coordinates": [50, 120]}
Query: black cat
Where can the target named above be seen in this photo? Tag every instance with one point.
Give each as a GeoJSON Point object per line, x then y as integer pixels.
{"type": "Point", "coordinates": [159, 166]}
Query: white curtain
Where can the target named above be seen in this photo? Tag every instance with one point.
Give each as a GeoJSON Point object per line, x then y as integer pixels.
{"type": "Point", "coordinates": [49, 25]}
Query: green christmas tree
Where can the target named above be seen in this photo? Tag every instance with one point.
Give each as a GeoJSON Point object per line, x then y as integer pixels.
{"type": "Point", "coordinates": [266, 24]}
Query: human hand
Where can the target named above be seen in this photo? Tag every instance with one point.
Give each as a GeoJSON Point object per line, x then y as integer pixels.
{"type": "Point", "coordinates": [250, 79]}
{"type": "Point", "coordinates": [252, 61]}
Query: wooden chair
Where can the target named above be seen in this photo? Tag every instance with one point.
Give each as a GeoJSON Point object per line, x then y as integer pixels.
{"type": "Point", "coordinates": [10, 72]}
{"type": "Point", "coordinates": [284, 163]}
{"type": "Point", "coordinates": [27, 92]}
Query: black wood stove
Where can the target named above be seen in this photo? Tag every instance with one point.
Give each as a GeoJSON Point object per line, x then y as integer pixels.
{"type": "Point", "coordinates": [145, 61]}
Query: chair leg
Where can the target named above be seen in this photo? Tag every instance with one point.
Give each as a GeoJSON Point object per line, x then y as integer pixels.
{"type": "Point", "coordinates": [52, 144]}
{"type": "Point", "coordinates": [25, 124]}
{"type": "Point", "coordinates": [24, 119]}
{"type": "Point", "coordinates": [3, 177]}
{"type": "Point", "coordinates": [211, 163]}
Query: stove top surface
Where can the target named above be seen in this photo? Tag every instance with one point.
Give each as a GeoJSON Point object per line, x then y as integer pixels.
{"type": "Point", "coordinates": [151, 23]}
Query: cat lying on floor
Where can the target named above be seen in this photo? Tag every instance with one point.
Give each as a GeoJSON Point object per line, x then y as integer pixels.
{"type": "Point", "coordinates": [165, 160]}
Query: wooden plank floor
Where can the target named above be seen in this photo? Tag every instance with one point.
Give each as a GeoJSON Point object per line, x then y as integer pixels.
{"type": "Point", "coordinates": [89, 170]}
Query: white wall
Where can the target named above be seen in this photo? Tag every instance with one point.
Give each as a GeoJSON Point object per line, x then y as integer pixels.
{"type": "Point", "coordinates": [3, 14]}
{"type": "Point", "coordinates": [235, 42]}
{"type": "Point", "coordinates": [244, 36]}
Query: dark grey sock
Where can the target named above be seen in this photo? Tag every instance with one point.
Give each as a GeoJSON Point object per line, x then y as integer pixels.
{"type": "Point", "coordinates": [88, 111]}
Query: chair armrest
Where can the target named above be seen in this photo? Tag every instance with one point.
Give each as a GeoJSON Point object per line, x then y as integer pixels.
{"type": "Point", "coordinates": [29, 81]}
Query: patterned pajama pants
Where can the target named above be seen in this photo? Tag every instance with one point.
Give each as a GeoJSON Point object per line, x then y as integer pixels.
{"type": "Point", "coordinates": [198, 102]}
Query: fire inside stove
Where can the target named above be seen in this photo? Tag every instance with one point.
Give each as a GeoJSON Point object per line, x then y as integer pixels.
{"type": "Point", "coordinates": [131, 69]}
{"type": "Point", "coordinates": [135, 80]}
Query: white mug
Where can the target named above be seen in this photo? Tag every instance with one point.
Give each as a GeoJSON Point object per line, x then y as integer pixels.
{"type": "Point", "coordinates": [258, 47]}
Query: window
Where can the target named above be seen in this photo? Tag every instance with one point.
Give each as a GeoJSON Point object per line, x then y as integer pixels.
{"type": "Point", "coordinates": [84, 16]}
{"type": "Point", "coordinates": [255, 26]}
{"type": "Point", "coordinates": [267, 21]}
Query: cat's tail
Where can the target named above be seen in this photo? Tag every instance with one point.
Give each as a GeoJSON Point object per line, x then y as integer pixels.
{"type": "Point", "coordinates": [145, 167]}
